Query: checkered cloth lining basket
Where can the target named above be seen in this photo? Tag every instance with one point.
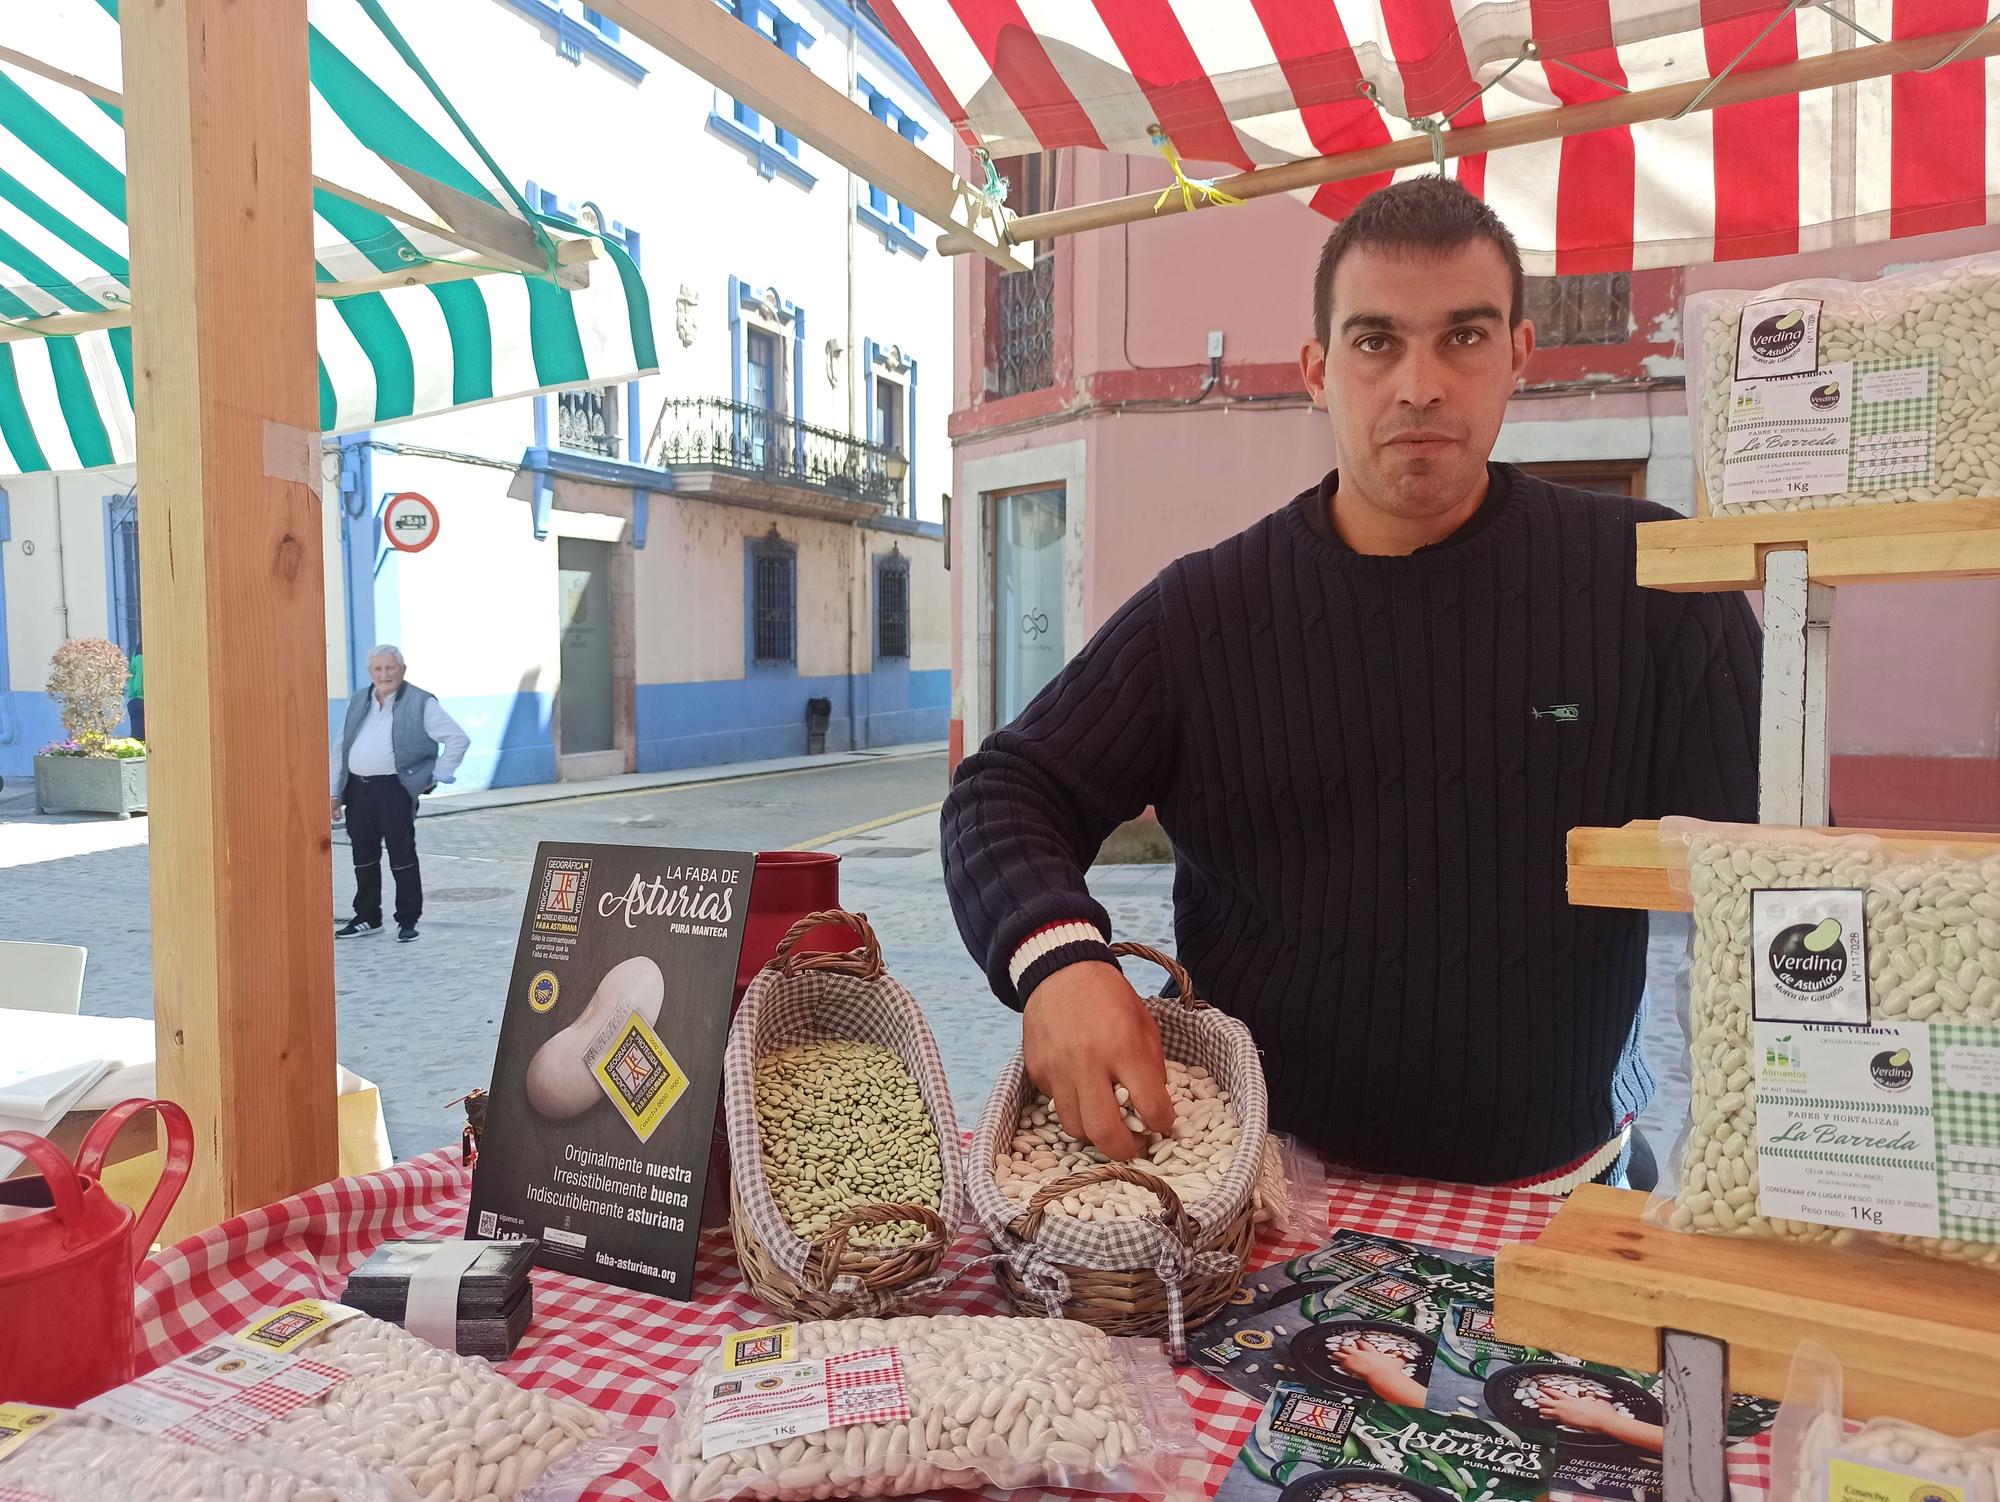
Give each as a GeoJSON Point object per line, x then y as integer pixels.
{"type": "Point", "coordinates": [800, 998]}
{"type": "Point", "coordinates": [1150, 1276]}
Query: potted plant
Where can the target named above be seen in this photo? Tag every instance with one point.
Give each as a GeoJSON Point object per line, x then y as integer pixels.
{"type": "Point", "coordinates": [90, 771]}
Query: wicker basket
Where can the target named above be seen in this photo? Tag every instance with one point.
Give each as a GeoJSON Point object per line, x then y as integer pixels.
{"type": "Point", "coordinates": [800, 998]}
{"type": "Point", "coordinates": [1150, 1276]}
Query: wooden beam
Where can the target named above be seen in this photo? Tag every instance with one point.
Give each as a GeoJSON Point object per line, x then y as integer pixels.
{"type": "Point", "coordinates": [1625, 866]}
{"type": "Point", "coordinates": [1877, 544]}
{"type": "Point", "coordinates": [573, 258]}
{"type": "Point", "coordinates": [1917, 1336]}
{"type": "Point", "coordinates": [702, 36]}
{"type": "Point", "coordinates": [227, 399]}
{"type": "Point", "coordinates": [1833, 68]}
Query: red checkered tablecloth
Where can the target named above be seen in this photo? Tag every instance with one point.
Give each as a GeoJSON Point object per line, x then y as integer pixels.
{"type": "Point", "coordinates": [624, 1353]}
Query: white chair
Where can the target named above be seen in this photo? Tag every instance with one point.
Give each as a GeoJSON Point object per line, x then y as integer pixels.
{"type": "Point", "coordinates": [41, 977]}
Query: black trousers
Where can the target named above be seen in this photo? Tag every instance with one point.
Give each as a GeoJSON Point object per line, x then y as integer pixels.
{"type": "Point", "coordinates": [380, 811]}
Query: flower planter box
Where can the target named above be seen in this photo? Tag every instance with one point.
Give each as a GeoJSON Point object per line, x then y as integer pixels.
{"type": "Point", "coordinates": [90, 785]}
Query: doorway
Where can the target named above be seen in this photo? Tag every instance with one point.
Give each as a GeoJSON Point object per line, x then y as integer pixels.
{"type": "Point", "coordinates": [586, 733]}
{"type": "Point", "coordinates": [760, 394]}
{"type": "Point", "coordinates": [1030, 596]}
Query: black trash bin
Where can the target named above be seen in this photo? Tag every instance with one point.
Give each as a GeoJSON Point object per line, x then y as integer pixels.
{"type": "Point", "coordinates": [818, 713]}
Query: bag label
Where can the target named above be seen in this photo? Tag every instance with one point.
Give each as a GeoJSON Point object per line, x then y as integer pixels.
{"type": "Point", "coordinates": [294, 1325]}
{"type": "Point", "coordinates": [1845, 1132]}
{"type": "Point", "coordinates": [1778, 337]}
{"type": "Point", "coordinates": [780, 1403]}
{"type": "Point", "coordinates": [217, 1396]}
{"type": "Point", "coordinates": [1809, 956]}
{"type": "Point", "coordinates": [1851, 1478]}
{"type": "Point", "coordinates": [1789, 437]}
{"type": "Point", "coordinates": [21, 1422]}
{"type": "Point", "coordinates": [774, 1345]}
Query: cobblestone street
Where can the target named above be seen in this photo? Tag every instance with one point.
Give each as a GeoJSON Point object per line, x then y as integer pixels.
{"type": "Point", "coordinates": [421, 1020]}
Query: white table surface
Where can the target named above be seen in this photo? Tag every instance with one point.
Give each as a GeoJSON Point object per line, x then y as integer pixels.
{"type": "Point", "coordinates": [126, 1041]}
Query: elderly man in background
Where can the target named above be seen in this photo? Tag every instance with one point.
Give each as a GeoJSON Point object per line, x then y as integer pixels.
{"type": "Point", "coordinates": [396, 745]}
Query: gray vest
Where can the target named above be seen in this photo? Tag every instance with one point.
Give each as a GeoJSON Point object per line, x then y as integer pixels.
{"type": "Point", "coordinates": [416, 753]}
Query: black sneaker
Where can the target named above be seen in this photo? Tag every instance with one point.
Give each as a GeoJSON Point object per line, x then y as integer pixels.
{"type": "Point", "coordinates": [354, 927]}
{"type": "Point", "coordinates": [405, 932]}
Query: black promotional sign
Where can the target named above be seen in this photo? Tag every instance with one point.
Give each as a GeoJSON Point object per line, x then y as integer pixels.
{"type": "Point", "coordinates": [610, 1061]}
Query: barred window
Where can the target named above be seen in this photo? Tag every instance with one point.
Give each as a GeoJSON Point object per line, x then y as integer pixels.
{"type": "Point", "coordinates": [892, 609]}
{"type": "Point", "coordinates": [775, 608]}
{"type": "Point", "coordinates": [1572, 310]}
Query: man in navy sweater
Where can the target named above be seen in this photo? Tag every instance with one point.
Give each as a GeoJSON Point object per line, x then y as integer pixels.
{"type": "Point", "coordinates": [1368, 723]}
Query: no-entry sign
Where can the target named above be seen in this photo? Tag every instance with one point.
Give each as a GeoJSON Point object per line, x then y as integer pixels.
{"type": "Point", "coordinates": [411, 521]}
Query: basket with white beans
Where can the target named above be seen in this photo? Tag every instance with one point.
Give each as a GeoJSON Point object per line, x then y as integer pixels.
{"type": "Point", "coordinates": [1920, 352]}
{"type": "Point", "coordinates": [1839, 987]}
{"type": "Point", "coordinates": [1151, 1246]}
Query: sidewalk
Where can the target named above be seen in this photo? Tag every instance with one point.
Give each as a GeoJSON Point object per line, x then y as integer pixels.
{"type": "Point", "coordinates": [27, 837]}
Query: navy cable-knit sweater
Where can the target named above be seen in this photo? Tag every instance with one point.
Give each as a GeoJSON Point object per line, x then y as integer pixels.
{"type": "Point", "coordinates": [1368, 767]}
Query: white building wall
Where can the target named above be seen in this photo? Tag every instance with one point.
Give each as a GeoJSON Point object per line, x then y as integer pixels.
{"type": "Point", "coordinates": [476, 612]}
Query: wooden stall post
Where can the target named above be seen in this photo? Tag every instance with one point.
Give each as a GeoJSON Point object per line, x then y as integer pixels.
{"type": "Point", "coordinates": [226, 390]}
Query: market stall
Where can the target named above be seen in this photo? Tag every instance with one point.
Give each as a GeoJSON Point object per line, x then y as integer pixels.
{"type": "Point", "coordinates": [841, 1236]}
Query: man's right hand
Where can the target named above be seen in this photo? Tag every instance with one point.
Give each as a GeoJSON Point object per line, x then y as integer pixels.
{"type": "Point", "coordinates": [336, 810]}
{"type": "Point", "coordinates": [1085, 1032]}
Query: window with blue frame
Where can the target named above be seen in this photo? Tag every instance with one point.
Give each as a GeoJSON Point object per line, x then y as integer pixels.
{"type": "Point", "coordinates": [893, 220]}
{"type": "Point", "coordinates": [771, 148]}
{"type": "Point", "coordinates": [580, 32]}
{"type": "Point", "coordinates": [600, 420]}
{"type": "Point", "coordinates": [774, 597]}
{"type": "Point", "coordinates": [892, 607]}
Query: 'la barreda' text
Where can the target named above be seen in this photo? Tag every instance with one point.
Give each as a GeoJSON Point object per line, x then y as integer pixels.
{"type": "Point", "coordinates": [700, 899]}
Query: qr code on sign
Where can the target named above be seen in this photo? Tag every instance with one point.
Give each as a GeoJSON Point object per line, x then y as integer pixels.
{"type": "Point", "coordinates": [489, 1225]}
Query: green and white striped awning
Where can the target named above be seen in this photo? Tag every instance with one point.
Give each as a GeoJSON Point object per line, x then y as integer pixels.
{"type": "Point", "coordinates": [402, 189]}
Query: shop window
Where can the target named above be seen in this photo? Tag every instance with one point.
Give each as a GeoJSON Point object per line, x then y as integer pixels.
{"type": "Point", "coordinates": [1579, 310]}
{"type": "Point", "coordinates": [892, 607]}
{"type": "Point", "coordinates": [774, 604]}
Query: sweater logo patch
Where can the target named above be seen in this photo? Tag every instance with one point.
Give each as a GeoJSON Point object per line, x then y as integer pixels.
{"type": "Point", "coordinates": [1562, 714]}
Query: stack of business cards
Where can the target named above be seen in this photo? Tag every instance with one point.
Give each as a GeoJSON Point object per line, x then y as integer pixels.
{"type": "Point", "coordinates": [469, 1296]}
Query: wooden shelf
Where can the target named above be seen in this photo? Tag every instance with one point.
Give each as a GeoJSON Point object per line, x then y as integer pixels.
{"type": "Point", "coordinates": [1846, 545]}
{"type": "Point", "coordinates": [1919, 1338]}
{"type": "Point", "coordinates": [1626, 866]}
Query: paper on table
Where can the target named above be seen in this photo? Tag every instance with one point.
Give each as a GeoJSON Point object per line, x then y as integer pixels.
{"type": "Point", "coordinates": [42, 1122]}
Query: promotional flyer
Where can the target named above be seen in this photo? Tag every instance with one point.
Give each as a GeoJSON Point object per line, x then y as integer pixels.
{"type": "Point", "coordinates": [610, 1060]}
{"type": "Point", "coordinates": [1382, 1377]}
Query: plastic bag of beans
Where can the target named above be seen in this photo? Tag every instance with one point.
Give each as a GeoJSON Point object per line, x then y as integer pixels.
{"type": "Point", "coordinates": [327, 1394]}
{"type": "Point", "coordinates": [892, 1407]}
{"type": "Point", "coordinates": [1841, 1001]}
{"type": "Point", "coordinates": [1812, 1438]}
{"type": "Point", "coordinates": [51, 1455]}
{"type": "Point", "coordinates": [1813, 394]}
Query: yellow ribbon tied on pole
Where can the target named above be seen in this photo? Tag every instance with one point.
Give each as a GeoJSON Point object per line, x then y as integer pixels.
{"type": "Point", "coordinates": [1194, 191]}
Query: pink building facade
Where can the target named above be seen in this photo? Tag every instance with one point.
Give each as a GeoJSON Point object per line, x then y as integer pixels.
{"type": "Point", "coordinates": [1096, 437]}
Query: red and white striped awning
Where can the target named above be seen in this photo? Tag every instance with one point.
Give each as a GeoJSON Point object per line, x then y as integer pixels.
{"type": "Point", "coordinates": [1252, 83]}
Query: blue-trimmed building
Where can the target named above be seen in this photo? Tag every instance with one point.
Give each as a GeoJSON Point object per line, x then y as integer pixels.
{"type": "Point", "coordinates": [663, 573]}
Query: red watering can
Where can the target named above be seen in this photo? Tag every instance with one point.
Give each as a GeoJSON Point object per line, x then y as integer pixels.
{"type": "Point", "coordinates": [69, 1261]}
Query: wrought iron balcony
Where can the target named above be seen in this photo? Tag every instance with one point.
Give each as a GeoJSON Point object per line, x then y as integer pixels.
{"type": "Point", "coordinates": [714, 433]}
{"type": "Point", "coordinates": [587, 421]}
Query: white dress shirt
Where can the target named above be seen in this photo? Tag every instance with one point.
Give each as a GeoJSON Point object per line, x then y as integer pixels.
{"type": "Point", "coordinates": [373, 753]}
